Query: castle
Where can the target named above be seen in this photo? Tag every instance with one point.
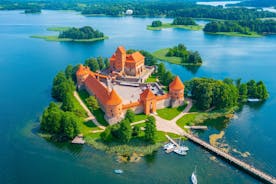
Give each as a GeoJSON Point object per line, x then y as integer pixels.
{"type": "Point", "coordinates": [116, 97]}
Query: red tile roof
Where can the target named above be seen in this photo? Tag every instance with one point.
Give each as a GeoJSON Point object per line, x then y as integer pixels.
{"type": "Point", "coordinates": [176, 84]}
{"type": "Point", "coordinates": [114, 98]}
{"type": "Point", "coordinates": [135, 57]}
{"type": "Point", "coordinates": [147, 94]}
{"type": "Point", "coordinates": [121, 49]}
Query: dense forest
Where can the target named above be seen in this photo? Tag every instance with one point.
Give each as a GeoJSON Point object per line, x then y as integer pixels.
{"type": "Point", "coordinates": [242, 26]}
{"type": "Point", "coordinates": [256, 3]}
{"type": "Point", "coordinates": [186, 56]}
{"type": "Point", "coordinates": [85, 32]}
{"type": "Point", "coordinates": [183, 21]}
{"type": "Point", "coordinates": [210, 93]}
{"type": "Point", "coordinates": [154, 8]}
{"type": "Point", "coordinates": [33, 10]}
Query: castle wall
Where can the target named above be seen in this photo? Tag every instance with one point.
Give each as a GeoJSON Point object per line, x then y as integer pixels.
{"type": "Point", "coordinates": [160, 104]}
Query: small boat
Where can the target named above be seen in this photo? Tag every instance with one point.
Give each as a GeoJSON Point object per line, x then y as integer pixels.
{"type": "Point", "coordinates": [253, 100]}
{"type": "Point", "coordinates": [169, 146]}
{"type": "Point", "coordinates": [194, 178]}
{"type": "Point", "coordinates": [118, 171]}
{"type": "Point", "coordinates": [180, 151]}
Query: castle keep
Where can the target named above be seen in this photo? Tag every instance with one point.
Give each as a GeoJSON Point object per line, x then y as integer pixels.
{"type": "Point", "coordinates": [116, 96]}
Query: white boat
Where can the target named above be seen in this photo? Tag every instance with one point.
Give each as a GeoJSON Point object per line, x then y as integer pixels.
{"type": "Point", "coordinates": [169, 146]}
{"type": "Point", "coordinates": [253, 100]}
{"type": "Point", "coordinates": [118, 171]}
{"type": "Point", "coordinates": [180, 151]}
{"type": "Point", "coordinates": [194, 178]}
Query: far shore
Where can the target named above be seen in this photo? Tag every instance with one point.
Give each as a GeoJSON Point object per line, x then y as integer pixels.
{"type": "Point", "coordinates": [169, 25]}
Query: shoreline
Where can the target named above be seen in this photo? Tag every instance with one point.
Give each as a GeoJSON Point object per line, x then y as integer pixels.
{"type": "Point", "coordinates": [169, 25]}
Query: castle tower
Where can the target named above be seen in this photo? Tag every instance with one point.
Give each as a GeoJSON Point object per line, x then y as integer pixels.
{"type": "Point", "coordinates": [148, 100]}
{"type": "Point", "coordinates": [120, 59]}
{"type": "Point", "coordinates": [113, 107]}
{"type": "Point", "coordinates": [176, 91]}
{"type": "Point", "coordinates": [82, 74]}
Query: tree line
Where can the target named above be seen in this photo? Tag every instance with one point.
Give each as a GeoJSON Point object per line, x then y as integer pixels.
{"type": "Point", "coordinates": [210, 93]}
{"type": "Point", "coordinates": [123, 132]}
{"type": "Point", "coordinates": [242, 26]}
{"type": "Point", "coordinates": [85, 32]}
{"type": "Point", "coordinates": [192, 57]}
{"type": "Point", "coordinates": [173, 8]}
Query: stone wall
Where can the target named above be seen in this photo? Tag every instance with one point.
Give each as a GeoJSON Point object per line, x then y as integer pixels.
{"type": "Point", "coordinates": [160, 104]}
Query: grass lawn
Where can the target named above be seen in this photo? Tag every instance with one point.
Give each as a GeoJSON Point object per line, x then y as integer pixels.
{"type": "Point", "coordinates": [169, 113]}
{"type": "Point", "coordinates": [161, 54]}
{"type": "Point", "coordinates": [87, 127]}
{"type": "Point", "coordinates": [151, 79]}
{"type": "Point", "coordinates": [187, 119]}
{"type": "Point", "coordinates": [57, 39]}
{"type": "Point", "coordinates": [169, 25]}
{"type": "Point", "coordinates": [140, 117]}
{"type": "Point", "coordinates": [252, 34]}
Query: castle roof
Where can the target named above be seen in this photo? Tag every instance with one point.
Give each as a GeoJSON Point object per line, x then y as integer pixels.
{"type": "Point", "coordinates": [83, 70]}
{"type": "Point", "coordinates": [98, 89]}
{"type": "Point", "coordinates": [135, 57]}
{"type": "Point", "coordinates": [176, 84]}
{"type": "Point", "coordinates": [147, 94]}
{"type": "Point", "coordinates": [114, 98]}
{"type": "Point", "coordinates": [121, 49]}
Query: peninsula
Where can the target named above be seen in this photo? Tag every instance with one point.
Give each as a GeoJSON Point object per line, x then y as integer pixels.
{"type": "Point", "coordinates": [72, 34]}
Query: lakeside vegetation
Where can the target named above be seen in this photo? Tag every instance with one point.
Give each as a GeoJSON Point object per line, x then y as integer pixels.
{"type": "Point", "coordinates": [68, 34]}
{"type": "Point", "coordinates": [250, 28]}
{"type": "Point", "coordinates": [159, 8]}
{"type": "Point", "coordinates": [179, 22]}
{"type": "Point", "coordinates": [179, 55]}
{"type": "Point", "coordinates": [32, 10]}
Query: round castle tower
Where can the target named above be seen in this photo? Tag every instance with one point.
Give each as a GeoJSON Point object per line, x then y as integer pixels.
{"type": "Point", "coordinates": [176, 91]}
{"type": "Point", "coordinates": [113, 107]}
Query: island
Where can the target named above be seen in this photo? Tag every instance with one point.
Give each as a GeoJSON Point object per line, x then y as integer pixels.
{"type": "Point", "coordinates": [110, 104]}
{"type": "Point", "coordinates": [72, 34]}
{"type": "Point", "coordinates": [179, 55]}
{"type": "Point", "coordinates": [247, 28]}
{"type": "Point", "coordinates": [179, 22]}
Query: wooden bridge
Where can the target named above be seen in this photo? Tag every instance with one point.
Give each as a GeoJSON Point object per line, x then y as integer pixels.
{"type": "Point", "coordinates": [250, 169]}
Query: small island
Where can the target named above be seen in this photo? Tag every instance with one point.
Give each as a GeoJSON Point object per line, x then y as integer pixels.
{"type": "Point", "coordinates": [109, 106]}
{"type": "Point", "coordinates": [72, 34]}
{"type": "Point", "coordinates": [245, 28]}
{"type": "Point", "coordinates": [179, 55]}
{"type": "Point", "coordinates": [179, 22]}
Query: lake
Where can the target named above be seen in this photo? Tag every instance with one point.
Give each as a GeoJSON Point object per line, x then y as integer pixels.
{"type": "Point", "coordinates": [29, 65]}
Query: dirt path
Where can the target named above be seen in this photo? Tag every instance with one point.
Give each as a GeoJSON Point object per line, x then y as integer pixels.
{"type": "Point", "coordinates": [90, 115]}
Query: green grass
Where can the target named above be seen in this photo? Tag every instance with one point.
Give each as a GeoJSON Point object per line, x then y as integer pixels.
{"type": "Point", "coordinates": [86, 128]}
{"type": "Point", "coordinates": [151, 79]}
{"type": "Point", "coordinates": [252, 34]}
{"type": "Point", "coordinates": [187, 119]}
{"type": "Point", "coordinates": [161, 54]}
{"type": "Point", "coordinates": [57, 39]}
{"type": "Point", "coordinates": [169, 25]}
{"type": "Point", "coordinates": [140, 117]}
{"type": "Point", "coordinates": [58, 29]}
{"type": "Point", "coordinates": [169, 113]}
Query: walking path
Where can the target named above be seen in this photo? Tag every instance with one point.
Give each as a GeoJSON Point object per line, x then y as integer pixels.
{"type": "Point", "coordinates": [90, 115]}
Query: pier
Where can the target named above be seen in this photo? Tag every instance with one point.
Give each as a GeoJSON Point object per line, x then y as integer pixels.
{"type": "Point", "coordinates": [249, 168]}
{"type": "Point", "coordinates": [196, 127]}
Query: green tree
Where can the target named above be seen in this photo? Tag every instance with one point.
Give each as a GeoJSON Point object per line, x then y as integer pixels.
{"type": "Point", "coordinates": [243, 92]}
{"type": "Point", "coordinates": [262, 91]}
{"type": "Point", "coordinates": [130, 115]}
{"type": "Point", "coordinates": [93, 64]}
{"type": "Point", "coordinates": [51, 119]}
{"type": "Point", "coordinates": [136, 131]}
{"type": "Point", "coordinates": [69, 71]}
{"type": "Point", "coordinates": [156, 23]}
{"type": "Point", "coordinates": [101, 62]}
{"type": "Point", "coordinates": [69, 125]}
{"type": "Point", "coordinates": [252, 89]}
{"type": "Point", "coordinates": [106, 135]}
{"type": "Point", "coordinates": [61, 86]}
{"type": "Point", "coordinates": [150, 130]}
{"type": "Point", "coordinates": [68, 103]}
{"type": "Point", "coordinates": [92, 103]}
{"type": "Point", "coordinates": [125, 131]}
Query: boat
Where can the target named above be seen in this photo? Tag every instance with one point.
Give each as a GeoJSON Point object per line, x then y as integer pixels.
{"type": "Point", "coordinates": [253, 100]}
{"type": "Point", "coordinates": [180, 151]}
{"type": "Point", "coordinates": [169, 146]}
{"type": "Point", "coordinates": [194, 178]}
{"type": "Point", "coordinates": [118, 171]}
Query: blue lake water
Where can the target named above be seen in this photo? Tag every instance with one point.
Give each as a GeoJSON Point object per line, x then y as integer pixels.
{"type": "Point", "coordinates": [28, 66]}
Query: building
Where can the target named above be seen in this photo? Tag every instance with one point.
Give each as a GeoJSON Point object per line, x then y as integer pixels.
{"type": "Point", "coordinates": [129, 12]}
{"type": "Point", "coordinates": [116, 97]}
{"type": "Point", "coordinates": [127, 64]}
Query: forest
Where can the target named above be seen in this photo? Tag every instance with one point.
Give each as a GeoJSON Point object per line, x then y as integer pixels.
{"type": "Point", "coordinates": [242, 26]}
{"type": "Point", "coordinates": [85, 32]}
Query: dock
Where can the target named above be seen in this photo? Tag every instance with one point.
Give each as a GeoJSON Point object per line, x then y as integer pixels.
{"type": "Point", "coordinates": [78, 140]}
{"type": "Point", "coordinates": [196, 127]}
{"type": "Point", "coordinates": [249, 168]}
{"type": "Point", "coordinates": [172, 141]}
